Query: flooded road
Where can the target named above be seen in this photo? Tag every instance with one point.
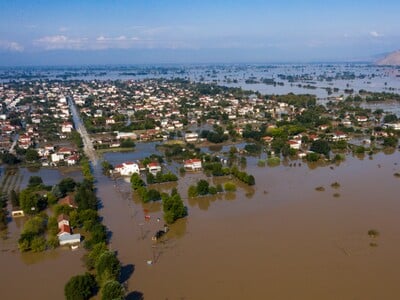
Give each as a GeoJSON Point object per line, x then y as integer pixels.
{"type": "Point", "coordinates": [282, 240]}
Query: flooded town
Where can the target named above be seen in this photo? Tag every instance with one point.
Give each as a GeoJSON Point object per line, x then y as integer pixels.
{"type": "Point", "coordinates": [210, 182]}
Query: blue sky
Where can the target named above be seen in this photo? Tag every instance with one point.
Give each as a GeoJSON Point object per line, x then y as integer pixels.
{"type": "Point", "coordinates": [160, 31]}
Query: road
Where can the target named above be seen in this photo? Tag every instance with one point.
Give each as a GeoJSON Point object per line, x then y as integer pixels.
{"type": "Point", "coordinates": [80, 127]}
{"type": "Point", "coordinates": [15, 141]}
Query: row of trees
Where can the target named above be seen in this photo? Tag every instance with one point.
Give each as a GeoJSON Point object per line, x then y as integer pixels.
{"type": "Point", "coordinates": [203, 188]}
{"type": "Point", "coordinates": [160, 177]}
{"type": "Point", "coordinates": [103, 265]}
{"type": "Point", "coordinates": [243, 176]}
{"type": "Point", "coordinates": [142, 191]}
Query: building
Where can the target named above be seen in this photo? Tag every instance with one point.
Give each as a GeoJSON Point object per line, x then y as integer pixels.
{"type": "Point", "coordinates": [68, 200]}
{"type": "Point", "coordinates": [154, 167]}
{"type": "Point", "coordinates": [191, 137]}
{"type": "Point", "coordinates": [295, 144]}
{"type": "Point", "coordinates": [127, 168]}
{"type": "Point", "coordinates": [65, 236]}
{"type": "Point", "coordinates": [193, 164]}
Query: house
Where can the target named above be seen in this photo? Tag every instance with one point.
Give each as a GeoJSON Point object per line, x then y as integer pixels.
{"type": "Point", "coordinates": [294, 144]}
{"type": "Point", "coordinates": [69, 239]}
{"type": "Point", "coordinates": [339, 136]}
{"type": "Point", "coordinates": [127, 168]}
{"type": "Point", "coordinates": [126, 135]}
{"type": "Point", "coordinates": [362, 119]}
{"type": "Point", "coordinates": [267, 139]}
{"type": "Point", "coordinates": [72, 160]}
{"type": "Point", "coordinates": [64, 229]}
{"type": "Point", "coordinates": [68, 200]}
{"type": "Point", "coordinates": [67, 127]}
{"type": "Point", "coordinates": [62, 220]}
{"type": "Point", "coordinates": [55, 157]}
{"type": "Point", "coordinates": [193, 164]}
{"type": "Point", "coordinates": [66, 151]}
{"type": "Point", "coordinates": [395, 126]}
{"type": "Point", "coordinates": [154, 167]}
{"type": "Point", "coordinates": [191, 137]}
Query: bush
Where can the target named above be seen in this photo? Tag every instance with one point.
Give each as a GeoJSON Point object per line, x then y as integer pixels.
{"type": "Point", "coordinates": [192, 191]}
{"type": "Point", "coordinates": [312, 157]}
{"type": "Point", "coordinates": [230, 186]}
{"type": "Point", "coordinates": [212, 190]}
{"type": "Point", "coordinates": [273, 161]}
{"type": "Point", "coordinates": [360, 150]}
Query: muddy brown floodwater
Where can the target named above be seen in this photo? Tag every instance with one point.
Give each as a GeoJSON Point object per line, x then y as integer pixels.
{"type": "Point", "coordinates": [280, 240]}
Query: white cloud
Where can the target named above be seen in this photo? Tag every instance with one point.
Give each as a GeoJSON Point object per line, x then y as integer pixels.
{"type": "Point", "coordinates": [101, 42]}
{"type": "Point", "coordinates": [11, 46]}
{"type": "Point", "coordinates": [375, 34]}
{"type": "Point", "coordinates": [56, 42]}
{"type": "Point", "coordinates": [63, 29]}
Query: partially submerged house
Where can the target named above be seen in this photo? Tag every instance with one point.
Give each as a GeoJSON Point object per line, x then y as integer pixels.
{"type": "Point", "coordinates": [193, 164]}
{"type": "Point", "coordinates": [65, 236]}
{"type": "Point", "coordinates": [127, 168]}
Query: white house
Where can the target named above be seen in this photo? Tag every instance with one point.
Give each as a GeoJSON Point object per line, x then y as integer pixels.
{"type": "Point", "coordinates": [69, 239]}
{"type": "Point", "coordinates": [193, 164]}
{"type": "Point", "coordinates": [56, 157]}
{"type": "Point", "coordinates": [154, 167]}
{"type": "Point", "coordinates": [395, 126]}
{"type": "Point", "coordinates": [127, 168]}
{"type": "Point", "coordinates": [191, 137]}
{"type": "Point", "coordinates": [67, 127]}
{"type": "Point", "coordinates": [295, 144]}
{"type": "Point", "coordinates": [339, 136]}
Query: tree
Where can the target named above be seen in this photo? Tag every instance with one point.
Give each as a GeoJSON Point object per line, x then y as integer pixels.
{"type": "Point", "coordinates": [14, 198]}
{"type": "Point", "coordinates": [29, 201]}
{"type": "Point", "coordinates": [108, 267]}
{"type": "Point", "coordinates": [202, 187]}
{"type": "Point", "coordinates": [31, 155]}
{"type": "Point", "coordinates": [112, 290]}
{"type": "Point", "coordinates": [35, 181]}
{"type": "Point", "coordinates": [320, 146]}
{"type": "Point", "coordinates": [390, 141]}
{"type": "Point", "coordinates": [80, 287]}
{"type": "Point", "coordinates": [390, 118]}
{"type": "Point", "coordinates": [9, 158]}
{"type": "Point", "coordinates": [136, 181]}
{"type": "Point", "coordinates": [173, 207]}
{"type": "Point", "coordinates": [92, 257]}
{"type": "Point", "coordinates": [86, 198]}
{"type": "Point", "coordinates": [66, 185]}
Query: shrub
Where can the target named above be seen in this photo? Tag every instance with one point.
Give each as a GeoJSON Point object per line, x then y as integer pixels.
{"type": "Point", "coordinates": [230, 186]}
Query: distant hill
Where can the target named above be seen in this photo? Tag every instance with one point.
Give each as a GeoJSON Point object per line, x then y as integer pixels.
{"type": "Point", "coordinates": [392, 59]}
